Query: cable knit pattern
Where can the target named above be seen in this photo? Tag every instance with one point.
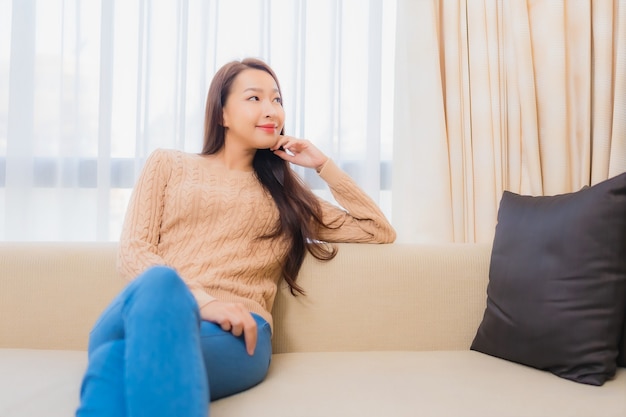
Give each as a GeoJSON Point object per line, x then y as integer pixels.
{"type": "Point", "coordinates": [204, 221]}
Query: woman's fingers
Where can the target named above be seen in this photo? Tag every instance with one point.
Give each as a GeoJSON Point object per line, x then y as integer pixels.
{"type": "Point", "coordinates": [233, 318]}
{"type": "Point", "coordinates": [299, 151]}
{"type": "Point", "coordinates": [244, 324]}
{"type": "Point", "coordinates": [250, 336]}
{"type": "Point", "coordinates": [290, 144]}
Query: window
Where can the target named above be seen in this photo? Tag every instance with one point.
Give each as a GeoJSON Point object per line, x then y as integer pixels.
{"type": "Point", "coordinates": [89, 89]}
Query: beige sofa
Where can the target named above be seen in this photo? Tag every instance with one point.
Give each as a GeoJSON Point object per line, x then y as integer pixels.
{"type": "Point", "coordinates": [384, 331]}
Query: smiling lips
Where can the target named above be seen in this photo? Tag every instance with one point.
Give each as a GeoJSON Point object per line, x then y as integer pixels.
{"type": "Point", "coordinates": [269, 127]}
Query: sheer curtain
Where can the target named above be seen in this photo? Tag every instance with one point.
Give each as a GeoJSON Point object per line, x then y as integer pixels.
{"type": "Point", "coordinates": [492, 95]}
{"type": "Point", "coordinates": [89, 88]}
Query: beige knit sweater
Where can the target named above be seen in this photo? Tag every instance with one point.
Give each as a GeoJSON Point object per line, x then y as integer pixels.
{"type": "Point", "coordinates": [202, 219]}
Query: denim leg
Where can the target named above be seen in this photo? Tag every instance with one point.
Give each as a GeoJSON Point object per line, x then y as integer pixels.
{"type": "Point", "coordinates": [155, 322]}
{"type": "Point", "coordinates": [102, 392]}
{"type": "Point", "coordinates": [229, 367]}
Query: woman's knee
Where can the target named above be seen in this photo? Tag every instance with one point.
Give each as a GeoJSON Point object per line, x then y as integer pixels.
{"type": "Point", "coordinates": [161, 287]}
{"type": "Point", "coordinates": [161, 281]}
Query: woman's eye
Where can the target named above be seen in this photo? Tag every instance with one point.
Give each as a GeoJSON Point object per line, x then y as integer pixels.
{"type": "Point", "coordinates": [253, 98]}
{"type": "Point", "coordinates": [278, 100]}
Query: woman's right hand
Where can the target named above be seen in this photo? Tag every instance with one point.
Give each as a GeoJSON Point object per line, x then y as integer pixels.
{"type": "Point", "coordinates": [234, 318]}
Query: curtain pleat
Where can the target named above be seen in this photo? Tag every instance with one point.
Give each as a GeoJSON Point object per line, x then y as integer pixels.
{"type": "Point", "coordinates": [20, 116]}
{"type": "Point", "coordinates": [105, 107]}
{"type": "Point", "coordinates": [454, 64]}
{"type": "Point", "coordinates": [372, 173]}
{"type": "Point", "coordinates": [484, 111]}
{"type": "Point", "coordinates": [518, 50]}
{"type": "Point", "coordinates": [617, 158]}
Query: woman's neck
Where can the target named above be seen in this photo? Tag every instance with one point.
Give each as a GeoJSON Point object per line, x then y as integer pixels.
{"type": "Point", "coordinates": [235, 158]}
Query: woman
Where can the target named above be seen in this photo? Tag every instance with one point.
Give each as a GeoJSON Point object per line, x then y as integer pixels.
{"type": "Point", "coordinates": [205, 241]}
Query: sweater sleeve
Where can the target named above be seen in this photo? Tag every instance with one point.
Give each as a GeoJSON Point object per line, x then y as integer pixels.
{"type": "Point", "coordinates": [360, 220]}
{"type": "Point", "coordinates": [138, 248]}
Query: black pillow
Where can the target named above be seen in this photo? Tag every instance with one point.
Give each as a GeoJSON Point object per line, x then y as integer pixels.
{"type": "Point", "coordinates": [621, 359]}
{"type": "Point", "coordinates": [557, 282]}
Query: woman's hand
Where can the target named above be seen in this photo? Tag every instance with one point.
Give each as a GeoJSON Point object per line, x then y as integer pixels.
{"type": "Point", "coordinates": [300, 152]}
{"type": "Point", "coordinates": [234, 318]}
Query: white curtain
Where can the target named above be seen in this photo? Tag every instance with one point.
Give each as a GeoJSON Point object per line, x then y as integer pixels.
{"type": "Point", "coordinates": [89, 88]}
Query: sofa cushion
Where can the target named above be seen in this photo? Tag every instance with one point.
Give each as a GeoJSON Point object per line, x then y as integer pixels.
{"type": "Point", "coordinates": [341, 384]}
{"type": "Point", "coordinates": [557, 282]}
{"type": "Point", "coordinates": [37, 382]}
{"type": "Point", "coordinates": [408, 384]}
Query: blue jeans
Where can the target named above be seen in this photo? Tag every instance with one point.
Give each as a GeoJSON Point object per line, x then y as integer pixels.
{"type": "Point", "coordinates": [151, 355]}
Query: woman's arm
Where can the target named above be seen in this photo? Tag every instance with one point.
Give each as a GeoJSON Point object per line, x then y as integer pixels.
{"type": "Point", "coordinates": [362, 220]}
{"type": "Point", "coordinates": [141, 229]}
{"type": "Point", "coordinates": [138, 249]}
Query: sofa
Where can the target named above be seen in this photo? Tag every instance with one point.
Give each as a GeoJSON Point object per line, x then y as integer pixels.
{"type": "Point", "coordinates": [384, 330]}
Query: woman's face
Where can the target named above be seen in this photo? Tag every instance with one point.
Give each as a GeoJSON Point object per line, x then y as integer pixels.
{"type": "Point", "coordinates": [253, 115]}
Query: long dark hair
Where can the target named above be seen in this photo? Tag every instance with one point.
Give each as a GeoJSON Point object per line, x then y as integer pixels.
{"type": "Point", "coordinates": [300, 214]}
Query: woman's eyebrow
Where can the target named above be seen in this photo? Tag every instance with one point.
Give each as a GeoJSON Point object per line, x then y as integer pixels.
{"type": "Point", "coordinates": [257, 89]}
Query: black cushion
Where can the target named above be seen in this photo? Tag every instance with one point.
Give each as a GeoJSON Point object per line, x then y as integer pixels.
{"type": "Point", "coordinates": [621, 359]}
{"type": "Point", "coordinates": [557, 282]}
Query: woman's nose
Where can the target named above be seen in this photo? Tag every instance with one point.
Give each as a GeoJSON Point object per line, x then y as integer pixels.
{"type": "Point", "coordinates": [269, 109]}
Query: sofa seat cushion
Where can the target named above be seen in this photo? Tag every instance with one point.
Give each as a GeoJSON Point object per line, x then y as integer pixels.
{"type": "Point", "coordinates": [342, 384]}
{"type": "Point", "coordinates": [438, 383]}
{"type": "Point", "coordinates": [40, 382]}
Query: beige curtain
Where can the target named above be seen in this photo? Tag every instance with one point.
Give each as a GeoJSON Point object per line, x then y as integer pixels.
{"type": "Point", "coordinates": [492, 95]}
